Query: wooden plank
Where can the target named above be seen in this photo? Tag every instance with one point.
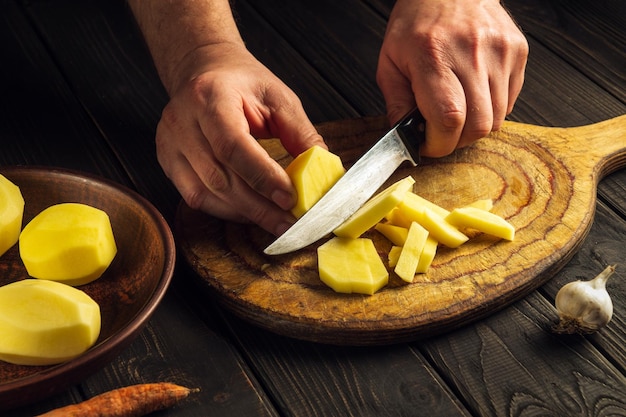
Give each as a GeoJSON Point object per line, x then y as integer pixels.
{"type": "Point", "coordinates": [320, 100]}
{"type": "Point", "coordinates": [339, 39]}
{"type": "Point", "coordinates": [590, 36]}
{"type": "Point", "coordinates": [36, 101]}
{"type": "Point", "coordinates": [101, 53]}
{"type": "Point", "coordinates": [512, 364]}
{"type": "Point", "coordinates": [310, 379]}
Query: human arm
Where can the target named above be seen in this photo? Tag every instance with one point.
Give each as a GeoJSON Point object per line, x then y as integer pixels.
{"type": "Point", "coordinates": [221, 100]}
{"type": "Point", "coordinates": [461, 61]}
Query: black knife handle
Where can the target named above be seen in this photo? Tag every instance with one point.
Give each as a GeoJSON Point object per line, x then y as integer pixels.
{"type": "Point", "coordinates": [412, 130]}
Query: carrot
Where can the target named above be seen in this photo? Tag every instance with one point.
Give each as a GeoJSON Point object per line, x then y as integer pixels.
{"type": "Point", "coordinates": [132, 401]}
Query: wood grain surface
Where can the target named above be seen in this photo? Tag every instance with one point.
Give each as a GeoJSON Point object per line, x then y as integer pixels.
{"type": "Point", "coordinates": [542, 179]}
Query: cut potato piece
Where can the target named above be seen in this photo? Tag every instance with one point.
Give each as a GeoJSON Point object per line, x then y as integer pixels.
{"type": "Point", "coordinates": [411, 251]}
{"type": "Point", "coordinates": [418, 202]}
{"type": "Point", "coordinates": [351, 266]}
{"type": "Point", "coordinates": [486, 204]}
{"type": "Point", "coordinates": [375, 209]}
{"type": "Point", "coordinates": [483, 221]}
{"type": "Point", "coordinates": [440, 230]}
{"type": "Point", "coordinates": [313, 173]}
{"type": "Point", "coordinates": [427, 256]}
{"type": "Point", "coordinates": [11, 213]}
{"type": "Point", "coordinates": [393, 255]}
{"type": "Point", "coordinates": [70, 242]}
{"type": "Point", "coordinates": [45, 322]}
{"type": "Point", "coordinates": [396, 234]}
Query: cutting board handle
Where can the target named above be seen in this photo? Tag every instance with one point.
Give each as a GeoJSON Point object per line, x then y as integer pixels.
{"type": "Point", "coordinates": [598, 148]}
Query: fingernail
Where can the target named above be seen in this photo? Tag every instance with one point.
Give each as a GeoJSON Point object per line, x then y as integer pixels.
{"type": "Point", "coordinates": [283, 199]}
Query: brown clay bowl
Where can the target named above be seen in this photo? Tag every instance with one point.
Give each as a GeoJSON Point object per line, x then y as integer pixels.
{"type": "Point", "coordinates": [128, 292]}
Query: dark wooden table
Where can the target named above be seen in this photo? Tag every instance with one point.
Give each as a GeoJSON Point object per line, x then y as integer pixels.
{"type": "Point", "coordinates": [79, 91]}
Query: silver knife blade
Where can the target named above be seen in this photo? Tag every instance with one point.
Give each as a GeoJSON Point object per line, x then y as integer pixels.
{"type": "Point", "coordinates": [356, 186]}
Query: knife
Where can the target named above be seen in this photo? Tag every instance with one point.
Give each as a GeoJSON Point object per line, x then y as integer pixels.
{"type": "Point", "coordinates": [357, 185]}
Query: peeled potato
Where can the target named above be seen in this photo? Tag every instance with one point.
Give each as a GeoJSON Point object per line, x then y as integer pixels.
{"type": "Point", "coordinates": [483, 221]}
{"type": "Point", "coordinates": [70, 242]}
{"type": "Point", "coordinates": [45, 322]}
{"type": "Point", "coordinates": [411, 251]}
{"type": "Point", "coordinates": [11, 214]}
{"type": "Point", "coordinates": [313, 173]}
{"type": "Point", "coordinates": [351, 266]}
{"type": "Point", "coordinates": [375, 209]}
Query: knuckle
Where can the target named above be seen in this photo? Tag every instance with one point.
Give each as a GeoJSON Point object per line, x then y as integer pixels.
{"type": "Point", "coordinates": [215, 179]}
{"type": "Point", "coordinates": [452, 118]}
{"type": "Point", "coordinates": [194, 198]}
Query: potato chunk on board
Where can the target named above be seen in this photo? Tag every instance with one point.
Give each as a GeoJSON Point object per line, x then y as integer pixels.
{"type": "Point", "coordinates": [351, 266]}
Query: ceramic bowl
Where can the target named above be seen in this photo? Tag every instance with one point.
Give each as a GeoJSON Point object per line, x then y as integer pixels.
{"type": "Point", "coordinates": [128, 292]}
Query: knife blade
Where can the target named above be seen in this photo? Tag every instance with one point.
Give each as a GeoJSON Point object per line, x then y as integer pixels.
{"type": "Point", "coordinates": [357, 185]}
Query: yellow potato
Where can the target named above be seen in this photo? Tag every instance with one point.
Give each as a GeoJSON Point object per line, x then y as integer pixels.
{"type": "Point", "coordinates": [313, 173]}
{"type": "Point", "coordinates": [427, 256]}
{"type": "Point", "coordinates": [396, 234]}
{"type": "Point", "coordinates": [70, 242]}
{"type": "Point", "coordinates": [411, 251]}
{"type": "Point", "coordinates": [351, 266]}
{"type": "Point", "coordinates": [375, 209]}
{"type": "Point", "coordinates": [485, 204]}
{"type": "Point", "coordinates": [393, 255]}
{"type": "Point", "coordinates": [11, 214]}
{"type": "Point", "coordinates": [418, 202]}
{"type": "Point", "coordinates": [483, 221]}
{"type": "Point", "coordinates": [45, 322]}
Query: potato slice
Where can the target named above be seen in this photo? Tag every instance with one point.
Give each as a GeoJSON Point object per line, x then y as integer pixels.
{"type": "Point", "coordinates": [70, 242]}
{"type": "Point", "coordinates": [375, 209]}
{"type": "Point", "coordinates": [418, 202]}
{"type": "Point", "coordinates": [485, 204]}
{"type": "Point", "coordinates": [483, 221]}
{"type": "Point", "coordinates": [45, 322]}
{"type": "Point", "coordinates": [11, 214]}
{"type": "Point", "coordinates": [411, 251]}
{"type": "Point", "coordinates": [393, 255]}
{"type": "Point", "coordinates": [396, 234]}
{"type": "Point", "coordinates": [441, 230]}
{"type": "Point", "coordinates": [351, 266]}
{"type": "Point", "coordinates": [427, 256]}
{"type": "Point", "coordinates": [313, 173]}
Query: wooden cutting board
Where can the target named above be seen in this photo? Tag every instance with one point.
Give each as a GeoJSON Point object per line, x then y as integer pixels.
{"type": "Point", "coordinates": [542, 179]}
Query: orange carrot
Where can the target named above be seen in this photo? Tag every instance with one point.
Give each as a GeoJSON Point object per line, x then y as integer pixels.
{"type": "Point", "coordinates": [132, 401]}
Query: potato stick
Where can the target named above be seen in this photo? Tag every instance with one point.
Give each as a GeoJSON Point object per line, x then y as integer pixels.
{"type": "Point", "coordinates": [132, 401]}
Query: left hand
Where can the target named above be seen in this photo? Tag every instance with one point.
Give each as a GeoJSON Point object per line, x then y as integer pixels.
{"type": "Point", "coordinates": [461, 61]}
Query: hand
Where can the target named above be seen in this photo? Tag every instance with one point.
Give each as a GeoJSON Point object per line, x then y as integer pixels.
{"type": "Point", "coordinates": [223, 99]}
{"type": "Point", "coordinates": [461, 61]}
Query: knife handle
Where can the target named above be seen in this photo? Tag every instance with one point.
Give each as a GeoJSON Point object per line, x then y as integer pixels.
{"type": "Point", "coordinates": [412, 130]}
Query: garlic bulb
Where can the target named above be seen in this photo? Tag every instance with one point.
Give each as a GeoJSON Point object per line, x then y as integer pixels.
{"type": "Point", "coordinates": [584, 306]}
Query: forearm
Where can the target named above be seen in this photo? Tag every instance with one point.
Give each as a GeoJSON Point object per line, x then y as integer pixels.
{"type": "Point", "coordinates": [175, 30]}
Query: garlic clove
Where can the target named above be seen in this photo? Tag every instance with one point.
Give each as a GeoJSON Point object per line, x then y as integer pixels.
{"type": "Point", "coordinates": [584, 306]}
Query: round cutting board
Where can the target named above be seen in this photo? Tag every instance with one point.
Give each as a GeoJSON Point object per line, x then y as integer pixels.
{"type": "Point", "coordinates": [542, 179]}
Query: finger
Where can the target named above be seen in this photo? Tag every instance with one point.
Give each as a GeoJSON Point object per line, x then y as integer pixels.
{"type": "Point", "coordinates": [239, 155]}
{"type": "Point", "coordinates": [396, 90]}
{"type": "Point", "coordinates": [441, 100]}
{"type": "Point", "coordinates": [479, 108]}
{"type": "Point", "coordinates": [229, 197]}
{"type": "Point", "coordinates": [281, 115]}
{"type": "Point", "coordinates": [516, 80]}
